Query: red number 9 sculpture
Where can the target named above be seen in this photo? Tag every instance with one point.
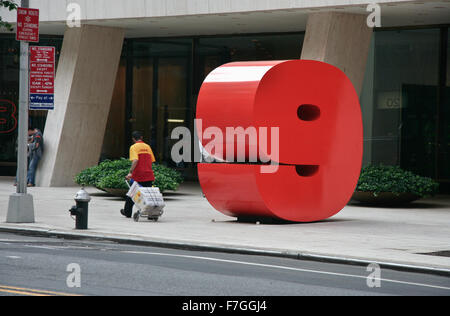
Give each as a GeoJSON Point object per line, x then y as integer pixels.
{"type": "Point", "coordinates": [319, 149]}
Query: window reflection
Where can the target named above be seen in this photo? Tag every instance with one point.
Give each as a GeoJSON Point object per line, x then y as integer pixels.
{"type": "Point", "coordinates": [444, 115]}
{"type": "Point", "coordinates": [160, 100]}
{"type": "Point", "coordinates": [168, 73]}
{"type": "Point", "coordinates": [400, 101]}
{"type": "Point", "coordinates": [405, 106]}
{"type": "Point", "coordinates": [141, 113]}
{"type": "Point", "coordinates": [9, 91]}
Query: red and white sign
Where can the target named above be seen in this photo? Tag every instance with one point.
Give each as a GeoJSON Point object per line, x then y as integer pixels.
{"type": "Point", "coordinates": [27, 25]}
{"type": "Point", "coordinates": [42, 77]}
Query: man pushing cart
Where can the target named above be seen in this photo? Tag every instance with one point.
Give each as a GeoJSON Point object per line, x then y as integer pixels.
{"type": "Point", "coordinates": [142, 158]}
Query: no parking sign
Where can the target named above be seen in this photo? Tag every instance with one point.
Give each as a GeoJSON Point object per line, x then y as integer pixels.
{"type": "Point", "coordinates": [27, 25]}
{"type": "Point", "coordinates": [42, 78]}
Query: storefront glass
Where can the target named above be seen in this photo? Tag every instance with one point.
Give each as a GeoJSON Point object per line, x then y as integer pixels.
{"type": "Point", "coordinates": [405, 99]}
{"type": "Point", "coordinates": [114, 141]}
{"type": "Point", "coordinates": [9, 99]}
{"type": "Point", "coordinates": [399, 100]}
{"type": "Point", "coordinates": [9, 78]}
{"type": "Point", "coordinates": [216, 51]}
{"type": "Point", "coordinates": [167, 75]}
{"type": "Point", "coordinates": [444, 142]}
{"type": "Point", "coordinates": [160, 98]}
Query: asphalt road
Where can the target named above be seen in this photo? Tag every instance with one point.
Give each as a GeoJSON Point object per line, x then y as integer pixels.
{"type": "Point", "coordinates": [48, 266]}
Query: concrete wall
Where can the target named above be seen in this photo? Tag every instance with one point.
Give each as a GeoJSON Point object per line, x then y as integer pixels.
{"type": "Point", "coordinates": [55, 10]}
{"type": "Point", "coordinates": [172, 18]}
{"type": "Point", "coordinates": [84, 86]}
{"type": "Point", "coordinates": [340, 39]}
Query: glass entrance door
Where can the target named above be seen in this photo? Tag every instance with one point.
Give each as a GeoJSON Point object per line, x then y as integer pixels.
{"type": "Point", "coordinates": [171, 104]}
{"type": "Point", "coordinates": [161, 97]}
{"type": "Point", "coordinates": [141, 111]}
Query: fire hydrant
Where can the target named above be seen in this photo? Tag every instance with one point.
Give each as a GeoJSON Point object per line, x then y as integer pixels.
{"type": "Point", "coordinates": [80, 211]}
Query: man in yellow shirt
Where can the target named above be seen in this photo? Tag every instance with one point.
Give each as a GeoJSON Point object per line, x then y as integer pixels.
{"type": "Point", "coordinates": [142, 158]}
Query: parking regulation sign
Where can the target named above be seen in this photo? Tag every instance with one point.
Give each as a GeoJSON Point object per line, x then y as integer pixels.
{"type": "Point", "coordinates": [42, 78]}
{"type": "Point", "coordinates": [27, 25]}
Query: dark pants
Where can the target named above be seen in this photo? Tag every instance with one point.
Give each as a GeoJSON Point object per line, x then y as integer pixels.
{"type": "Point", "coordinates": [128, 209]}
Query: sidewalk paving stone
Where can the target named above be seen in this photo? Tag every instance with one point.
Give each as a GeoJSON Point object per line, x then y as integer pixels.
{"type": "Point", "coordinates": [397, 236]}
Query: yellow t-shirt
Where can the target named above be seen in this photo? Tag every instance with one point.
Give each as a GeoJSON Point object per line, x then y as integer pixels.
{"type": "Point", "coordinates": [145, 157]}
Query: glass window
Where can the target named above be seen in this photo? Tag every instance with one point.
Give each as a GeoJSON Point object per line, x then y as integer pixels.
{"type": "Point", "coordinates": [448, 57]}
{"type": "Point", "coordinates": [217, 51]}
{"type": "Point", "coordinates": [172, 101]}
{"type": "Point", "coordinates": [114, 140]}
{"type": "Point", "coordinates": [167, 78]}
{"type": "Point", "coordinates": [366, 100]}
{"type": "Point", "coordinates": [400, 101]}
{"type": "Point", "coordinates": [444, 143]}
{"type": "Point", "coordinates": [141, 117]}
{"type": "Point", "coordinates": [212, 52]}
{"type": "Point", "coordinates": [9, 98]}
{"type": "Point", "coordinates": [161, 96]}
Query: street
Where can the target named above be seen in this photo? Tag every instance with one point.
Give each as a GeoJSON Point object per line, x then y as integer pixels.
{"type": "Point", "coordinates": [48, 266]}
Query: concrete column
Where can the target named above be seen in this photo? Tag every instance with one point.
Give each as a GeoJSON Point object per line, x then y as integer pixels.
{"type": "Point", "coordinates": [84, 85]}
{"type": "Point", "coordinates": [340, 39]}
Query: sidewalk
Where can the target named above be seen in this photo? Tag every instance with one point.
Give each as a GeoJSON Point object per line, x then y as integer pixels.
{"type": "Point", "coordinates": [397, 236]}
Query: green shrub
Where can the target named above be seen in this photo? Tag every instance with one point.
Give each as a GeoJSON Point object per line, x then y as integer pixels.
{"type": "Point", "coordinates": [114, 180]}
{"type": "Point", "coordinates": [380, 178]}
{"type": "Point", "coordinates": [93, 175]}
{"type": "Point", "coordinates": [166, 178]}
{"type": "Point", "coordinates": [111, 175]}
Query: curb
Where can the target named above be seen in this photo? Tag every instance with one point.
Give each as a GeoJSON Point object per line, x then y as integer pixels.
{"type": "Point", "coordinates": [37, 232]}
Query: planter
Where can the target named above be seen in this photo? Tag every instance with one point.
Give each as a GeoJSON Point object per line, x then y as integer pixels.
{"type": "Point", "coordinates": [384, 198]}
{"type": "Point", "coordinates": [117, 192]}
{"type": "Point", "coordinates": [100, 189]}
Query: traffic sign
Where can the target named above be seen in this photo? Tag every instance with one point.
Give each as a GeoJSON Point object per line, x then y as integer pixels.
{"type": "Point", "coordinates": [42, 78]}
{"type": "Point", "coordinates": [27, 25]}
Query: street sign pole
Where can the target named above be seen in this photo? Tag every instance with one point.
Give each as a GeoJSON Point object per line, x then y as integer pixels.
{"type": "Point", "coordinates": [23, 120]}
{"type": "Point", "coordinates": [21, 207]}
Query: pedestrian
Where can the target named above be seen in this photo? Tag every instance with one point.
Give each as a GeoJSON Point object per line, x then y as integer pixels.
{"type": "Point", "coordinates": [35, 152]}
{"type": "Point", "coordinates": [142, 158]}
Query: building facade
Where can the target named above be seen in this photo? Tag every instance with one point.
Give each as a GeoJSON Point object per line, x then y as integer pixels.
{"type": "Point", "coordinates": [139, 66]}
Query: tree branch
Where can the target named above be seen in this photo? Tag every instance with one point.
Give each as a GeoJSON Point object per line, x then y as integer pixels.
{"type": "Point", "coordinates": [10, 5]}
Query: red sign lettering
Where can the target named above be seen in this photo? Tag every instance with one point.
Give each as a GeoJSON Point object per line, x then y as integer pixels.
{"type": "Point", "coordinates": [8, 120]}
{"type": "Point", "coordinates": [42, 77]}
{"type": "Point", "coordinates": [27, 25]}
